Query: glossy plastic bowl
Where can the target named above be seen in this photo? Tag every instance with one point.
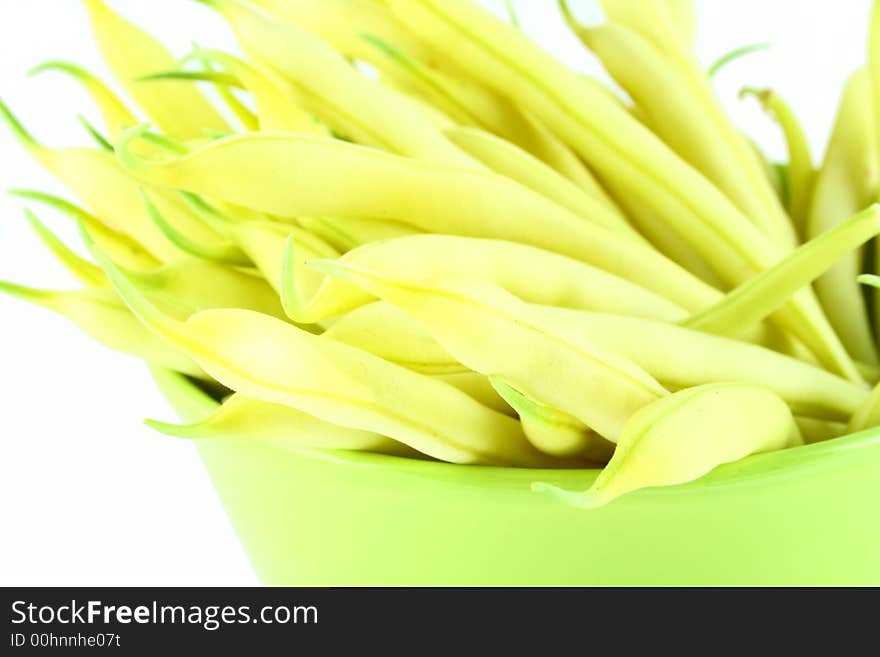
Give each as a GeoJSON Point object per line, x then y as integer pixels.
{"type": "Point", "coordinates": [804, 516]}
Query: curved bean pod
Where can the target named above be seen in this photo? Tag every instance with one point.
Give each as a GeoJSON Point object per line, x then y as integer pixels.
{"type": "Point", "coordinates": [551, 430]}
{"type": "Point", "coordinates": [198, 285]}
{"type": "Point", "coordinates": [224, 252]}
{"type": "Point", "coordinates": [193, 285]}
{"type": "Point", "coordinates": [847, 183]}
{"type": "Point", "coordinates": [323, 177]}
{"type": "Point", "coordinates": [334, 90]}
{"type": "Point", "coordinates": [388, 332]}
{"type": "Point", "coordinates": [178, 109]}
{"type": "Point", "coordinates": [532, 274]}
{"type": "Point", "coordinates": [677, 357]}
{"type": "Point", "coordinates": [244, 418]}
{"type": "Point", "coordinates": [801, 171]}
{"type": "Point", "coordinates": [100, 140]}
{"type": "Point", "coordinates": [681, 437]}
{"type": "Point", "coordinates": [683, 358]}
{"type": "Point", "coordinates": [492, 332]}
{"type": "Point", "coordinates": [270, 360]}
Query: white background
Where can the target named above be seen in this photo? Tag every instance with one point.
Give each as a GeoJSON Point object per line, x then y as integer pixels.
{"type": "Point", "coordinates": [90, 496]}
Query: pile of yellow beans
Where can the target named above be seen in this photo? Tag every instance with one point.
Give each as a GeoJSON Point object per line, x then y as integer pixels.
{"type": "Point", "coordinates": [401, 226]}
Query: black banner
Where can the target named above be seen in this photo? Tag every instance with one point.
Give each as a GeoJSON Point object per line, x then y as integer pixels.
{"type": "Point", "coordinates": [132, 621]}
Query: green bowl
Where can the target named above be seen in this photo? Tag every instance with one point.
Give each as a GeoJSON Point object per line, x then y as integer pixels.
{"type": "Point", "coordinates": [803, 516]}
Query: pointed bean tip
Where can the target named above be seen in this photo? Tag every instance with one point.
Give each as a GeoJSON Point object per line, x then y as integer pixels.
{"type": "Point", "coordinates": [508, 393]}
{"type": "Point", "coordinates": [543, 487]}
{"type": "Point", "coordinates": [587, 499]}
{"type": "Point", "coordinates": [81, 269]}
{"type": "Point", "coordinates": [36, 224]}
{"type": "Point", "coordinates": [10, 288]}
{"type": "Point", "coordinates": [17, 127]}
{"type": "Point", "coordinates": [735, 54]}
{"type": "Point", "coordinates": [170, 429]}
{"type": "Point", "coordinates": [28, 294]}
{"type": "Point", "coordinates": [194, 55]}
{"type": "Point", "coordinates": [32, 218]}
{"type": "Point", "coordinates": [95, 134]}
{"type": "Point", "coordinates": [61, 66]}
{"type": "Point", "coordinates": [869, 279]}
{"type": "Point", "coordinates": [160, 75]}
{"type": "Point", "coordinates": [137, 302]}
{"type": "Point", "coordinates": [762, 95]}
{"type": "Point", "coordinates": [124, 155]}
{"type": "Point", "coordinates": [750, 91]}
{"type": "Point", "coordinates": [49, 65]}
{"type": "Point", "coordinates": [226, 253]}
{"type": "Point", "coordinates": [330, 266]}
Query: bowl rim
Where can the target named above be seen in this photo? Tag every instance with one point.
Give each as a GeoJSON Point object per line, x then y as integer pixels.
{"type": "Point", "coordinates": [192, 403]}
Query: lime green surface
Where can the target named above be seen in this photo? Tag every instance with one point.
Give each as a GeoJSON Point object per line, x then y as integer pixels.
{"type": "Point", "coordinates": [805, 516]}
